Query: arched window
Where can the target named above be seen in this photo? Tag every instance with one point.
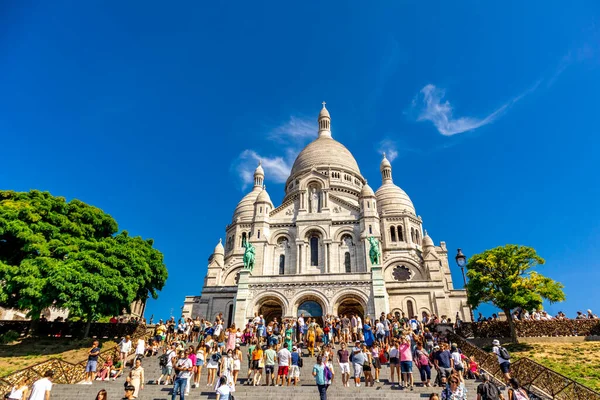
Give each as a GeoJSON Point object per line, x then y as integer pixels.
{"type": "Point", "coordinates": [258, 234]}
{"type": "Point", "coordinates": [410, 308]}
{"type": "Point", "coordinates": [314, 251]}
{"type": "Point", "coordinates": [243, 238]}
{"type": "Point", "coordinates": [347, 263]}
{"type": "Point", "coordinates": [281, 264]}
{"type": "Point", "coordinates": [260, 212]}
{"type": "Point", "coordinates": [400, 233]}
{"type": "Point", "coordinates": [393, 233]}
{"type": "Point", "coordinates": [412, 234]}
{"type": "Point", "coordinates": [370, 230]}
{"type": "Point", "coordinates": [417, 236]}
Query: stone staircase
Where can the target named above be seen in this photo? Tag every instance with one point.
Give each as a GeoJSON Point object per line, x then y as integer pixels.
{"type": "Point", "coordinates": [306, 390]}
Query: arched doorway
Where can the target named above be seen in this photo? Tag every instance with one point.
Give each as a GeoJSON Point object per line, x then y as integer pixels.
{"type": "Point", "coordinates": [351, 306]}
{"type": "Point", "coordinates": [311, 308]}
{"type": "Point", "coordinates": [270, 309]}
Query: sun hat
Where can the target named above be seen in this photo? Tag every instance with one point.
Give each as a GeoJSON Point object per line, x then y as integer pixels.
{"type": "Point", "coordinates": [496, 342]}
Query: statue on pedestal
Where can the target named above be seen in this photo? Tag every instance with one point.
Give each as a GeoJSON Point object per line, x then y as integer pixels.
{"type": "Point", "coordinates": [314, 201]}
{"type": "Point", "coordinates": [249, 255]}
{"type": "Point", "coordinates": [374, 251]}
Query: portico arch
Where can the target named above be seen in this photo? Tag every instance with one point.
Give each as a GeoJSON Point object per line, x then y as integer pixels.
{"type": "Point", "coordinates": [350, 302]}
{"type": "Point", "coordinates": [270, 305]}
{"type": "Point", "coordinates": [311, 297]}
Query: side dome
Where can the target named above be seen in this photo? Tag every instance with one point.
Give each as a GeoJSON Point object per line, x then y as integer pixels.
{"type": "Point", "coordinates": [366, 191]}
{"type": "Point", "coordinates": [325, 151]}
{"type": "Point", "coordinates": [263, 197]}
{"type": "Point", "coordinates": [219, 248]}
{"type": "Point", "coordinates": [392, 199]}
{"type": "Point", "coordinates": [245, 208]}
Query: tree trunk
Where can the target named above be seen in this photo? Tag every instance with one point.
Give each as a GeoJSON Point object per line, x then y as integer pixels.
{"type": "Point", "coordinates": [511, 324]}
{"type": "Point", "coordinates": [87, 327]}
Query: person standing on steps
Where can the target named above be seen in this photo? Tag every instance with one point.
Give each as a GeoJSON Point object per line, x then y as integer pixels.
{"type": "Point", "coordinates": [183, 368]}
{"type": "Point", "coordinates": [406, 363]}
{"type": "Point", "coordinates": [92, 363]}
{"type": "Point", "coordinates": [358, 360]}
{"type": "Point", "coordinates": [167, 367]}
{"type": "Point", "coordinates": [125, 348]}
{"type": "Point", "coordinates": [319, 373]}
{"type": "Point", "coordinates": [270, 359]}
{"type": "Point", "coordinates": [487, 390]}
{"type": "Point", "coordinates": [344, 363]}
{"type": "Point", "coordinates": [137, 377]}
{"type": "Point", "coordinates": [295, 367]}
{"type": "Point", "coordinates": [42, 387]}
{"type": "Point", "coordinates": [283, 365]}
{"type": "Point", "coordinates": [223, 390]}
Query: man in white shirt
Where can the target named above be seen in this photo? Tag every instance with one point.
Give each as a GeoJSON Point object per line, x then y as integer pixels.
{"type": "Point", "coordinates": [301, 328]}
{"type": "Point", "coordinates": [42, 387]}
{"type": "Point", "coordinates": [284, 356]}
{"type": "Point", "coordinates": [183, 367]}
{"type": "Point", "coordinates": [504, 362]}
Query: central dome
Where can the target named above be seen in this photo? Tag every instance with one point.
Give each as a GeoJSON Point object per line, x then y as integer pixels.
{"type": "Point", "coordinates": [324, 152]}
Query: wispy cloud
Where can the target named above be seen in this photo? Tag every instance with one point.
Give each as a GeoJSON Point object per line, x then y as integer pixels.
{"type": "Point", "coordinates": [389, 147]}
{"type": "Point", "coordinates": [433, 108]}
{"type": "Point", "coordinates": [291, 137]}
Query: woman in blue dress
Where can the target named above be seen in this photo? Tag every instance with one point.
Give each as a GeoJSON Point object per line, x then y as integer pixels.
{"type": "Point", "coordinates": [368, 332]}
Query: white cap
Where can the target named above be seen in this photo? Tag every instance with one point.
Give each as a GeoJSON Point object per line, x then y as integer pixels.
{"type": "Point", "coordinates": [496, 342]}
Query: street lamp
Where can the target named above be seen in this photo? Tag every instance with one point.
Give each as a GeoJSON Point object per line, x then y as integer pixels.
{"type": "Point", "coordinates": [461, 260]}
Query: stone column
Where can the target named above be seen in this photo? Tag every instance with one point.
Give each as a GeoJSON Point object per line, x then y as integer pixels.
{"type": "Point", "coordinates": [241, 300]}
{"type": "Point", "coordinates": [326, 257]}
{"type": "Point", "coordinates": [380, 297]}
{"type": "Point", "coordinates": [298, 259]}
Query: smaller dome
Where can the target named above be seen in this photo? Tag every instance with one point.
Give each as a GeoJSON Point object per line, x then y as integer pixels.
{"type": "Point", "coordinates": [384, 163]}
{"type": "Point", "coordinates": [427, 241]}
{"type": "Point", "coordinates": [367, 191]}
{"type": "Point", "coordinates": [219, 248]}
{"type": "Point", "coordinates": [392, 199]}
{"type": "Point", "coordinates": [263, 197]}
{"type": "Point", "coordinates": [259, 170]}
{"type": "Point", "coordinates": [245, 208]}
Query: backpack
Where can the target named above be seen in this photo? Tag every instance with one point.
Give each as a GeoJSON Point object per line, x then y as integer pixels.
{"type": "Point", "coordinates": [504, 353]}
{"type": "Point", "coordinates": [300, 362]}
{"type": "Point", "coordinates": [162, 360]}
{"type": "Point", "coordinates": [327, 373]}
{"type": "Point", "coordinates": [423, 358]}
{"type": "Point", "coordinates": [489, 391]}
{"type": "Point", "coordinates": [216, 357]}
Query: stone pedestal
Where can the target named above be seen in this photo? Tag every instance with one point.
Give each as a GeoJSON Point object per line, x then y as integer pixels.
{"type": "Point", "coordinates": [380, 298]}
{"type": "Point", "coordinates": [241, 298]}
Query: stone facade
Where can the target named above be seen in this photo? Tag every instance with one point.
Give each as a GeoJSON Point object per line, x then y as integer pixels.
{"type": "Point", "coordinates": [312, 252]}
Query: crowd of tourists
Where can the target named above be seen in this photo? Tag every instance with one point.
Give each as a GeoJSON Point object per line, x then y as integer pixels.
{"type": "Point", "coordinates": [521, 314]}
{"type": "Point", "coordinates": [334, 350]}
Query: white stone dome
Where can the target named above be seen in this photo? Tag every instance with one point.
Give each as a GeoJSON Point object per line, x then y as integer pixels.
{"type": "Point", "coordinates": [324, 152]}
{"type": "Point", "coordinates": [219, 248]}
{"type": "Point", "coordinates": [263, 197]}
{"type": "Point", "coordinates": [245, 208]}
{"type": "Point", "coordinates": [390, 199]}
{"type": "Point", "coordinates": [427, 241]}
{"type": "Point", "coordinates": [366, 191]}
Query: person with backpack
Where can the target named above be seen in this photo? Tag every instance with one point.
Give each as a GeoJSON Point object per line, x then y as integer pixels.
{"type": "Point", "coordinates": [487, 390]}
{"type": "Point", "coordinates": [321, 377]}
{"type": "Point", "coordinates": [165, 362]}
{"type": "Point", "coordinates": [422, 359]}
{"type": "Point", "coordinates": [515, 391]}
{"type": "Point", "coordinates": [503, 359]}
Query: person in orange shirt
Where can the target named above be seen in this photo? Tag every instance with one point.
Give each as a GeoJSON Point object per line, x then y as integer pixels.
{"type": "Point", "coordinates": [257, 364]}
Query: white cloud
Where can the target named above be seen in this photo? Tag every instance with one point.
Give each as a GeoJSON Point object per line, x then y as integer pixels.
{"type": "Point", "coordinates": [292, 136]}
{"type": "Point", "coordinates": [388, 147]}
{"type": "Point", "coordinates": [439, 112]}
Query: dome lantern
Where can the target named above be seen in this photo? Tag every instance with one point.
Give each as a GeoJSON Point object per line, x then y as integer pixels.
{"type": "Point", "coordinates": [324, 122]}
{"type": "Point", "coordinates": [259, 175]}
{"type": "Point", "coordinates": [386, 170]}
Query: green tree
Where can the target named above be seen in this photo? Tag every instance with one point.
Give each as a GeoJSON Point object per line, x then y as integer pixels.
{"type": "Point", "coordinates": [504, 276]}
{"type": "Point", "coordinates": [71, 255]}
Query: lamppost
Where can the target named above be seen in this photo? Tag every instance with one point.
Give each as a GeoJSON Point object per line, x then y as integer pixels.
{"type": "Point", "coordinates": [461, 260]}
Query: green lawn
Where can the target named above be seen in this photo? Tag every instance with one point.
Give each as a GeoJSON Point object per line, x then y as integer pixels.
{"type": "Point", "coordinates": [578, 361]}
{"type": "Point", "coordinates": [28, 352]}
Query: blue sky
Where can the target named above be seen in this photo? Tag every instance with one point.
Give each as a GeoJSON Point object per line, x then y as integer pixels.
{"type": "Point", "coordinates": [156, 114]}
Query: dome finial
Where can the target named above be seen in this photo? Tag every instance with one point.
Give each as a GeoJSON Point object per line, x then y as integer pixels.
{"type": "Point", "coordinates": [386, 170]}
{"type": "Point", "coordinates": [324, 122]}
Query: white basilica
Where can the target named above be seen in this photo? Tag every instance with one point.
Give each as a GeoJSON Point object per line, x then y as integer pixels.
{"type": "Point", "coordinates": [312, 250]}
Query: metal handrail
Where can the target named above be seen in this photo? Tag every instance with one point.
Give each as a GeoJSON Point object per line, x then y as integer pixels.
{"type": "Point", "coordinates": [536, 378]}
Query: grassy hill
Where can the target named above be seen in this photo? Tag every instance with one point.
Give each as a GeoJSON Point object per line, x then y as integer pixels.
{"type": "Point", "coordinates": [28, 352]}
{"type": "Point", "coordinates": [578, 361]}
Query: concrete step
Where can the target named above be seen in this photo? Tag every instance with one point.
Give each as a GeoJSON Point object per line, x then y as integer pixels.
{"type": "Point", "coordinates": [305, 391]}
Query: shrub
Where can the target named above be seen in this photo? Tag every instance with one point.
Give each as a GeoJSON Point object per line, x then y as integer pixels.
{"type": "Point", "coordinates": [8, 337]}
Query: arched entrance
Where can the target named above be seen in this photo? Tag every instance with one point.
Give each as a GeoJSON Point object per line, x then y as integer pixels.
{"type": "Point", "coordinates": [270, 309]}
{"type": "Point", "coordinates": [311, 308]}
{"type": "Point", "coordinates": [351, 306]}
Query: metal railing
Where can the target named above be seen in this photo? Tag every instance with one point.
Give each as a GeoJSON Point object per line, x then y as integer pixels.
{"type": "Point", "coordinates": [65, 371]}
{"type": "Point", "coordinates": [537, 379]}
